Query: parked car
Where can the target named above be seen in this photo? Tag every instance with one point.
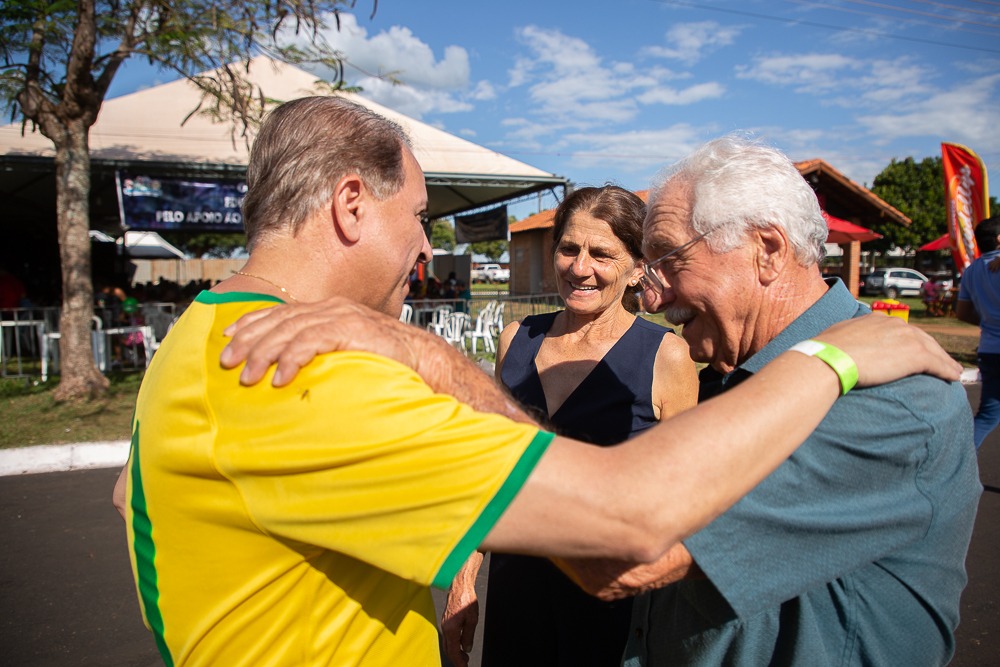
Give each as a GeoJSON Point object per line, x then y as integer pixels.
{"type": "Point", "coordinates": [490, 273]}
{"type": "Point", "coordinates": [892, 282]}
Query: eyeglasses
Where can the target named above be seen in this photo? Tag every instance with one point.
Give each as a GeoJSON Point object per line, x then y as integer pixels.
{"type": "Point", "coordinates": [649, 273]}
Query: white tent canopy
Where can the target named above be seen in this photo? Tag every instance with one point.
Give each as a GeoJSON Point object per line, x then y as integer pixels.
{"type": "Point", "coordinates": [142, 245]}
{"type": "Point", "coordinates": [146, 127]}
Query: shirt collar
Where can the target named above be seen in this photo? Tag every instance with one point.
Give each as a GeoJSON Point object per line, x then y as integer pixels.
{"type": "Point", "coordinates": [836, 305]}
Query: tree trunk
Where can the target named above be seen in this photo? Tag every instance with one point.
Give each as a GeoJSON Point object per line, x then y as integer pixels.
{"type": "Point", "coordinates": [80, 378]}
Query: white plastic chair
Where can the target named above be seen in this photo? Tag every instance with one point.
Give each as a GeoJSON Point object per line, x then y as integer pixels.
{"type": "Point", "coordinates": [482, 331]}
{"type": "Point", "coordinates": [406, 316]}
{"type": "Point", "coordinates": [438, 318]}
{"type": "Point", "coordinates": [455, 325]}
{"type": "Point", "coordinates": [496, 320]}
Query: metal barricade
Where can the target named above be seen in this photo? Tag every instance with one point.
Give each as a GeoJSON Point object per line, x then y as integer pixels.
{"type": "Point", "coordinates": [21, 337]}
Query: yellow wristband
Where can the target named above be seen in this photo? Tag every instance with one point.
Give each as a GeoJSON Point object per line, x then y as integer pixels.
{"type": "Point", "coordinates": [835, 358]}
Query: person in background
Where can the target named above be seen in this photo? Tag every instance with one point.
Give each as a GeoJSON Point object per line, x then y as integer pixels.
{"type": "Point", "coordinates": [595, 372]}
{"type": "Point", "coordinates": [433, 288]}
{"type": "Point", "coordinates": [416, 288]}
{"type": "Point", "coordinates": [979, 303]}
{"type": "Point", "coordinates": [930, 293]}
{"type": "Point", "coordinates": [464, 295]}
{"type": "Point", "coordinates": [449, 289]}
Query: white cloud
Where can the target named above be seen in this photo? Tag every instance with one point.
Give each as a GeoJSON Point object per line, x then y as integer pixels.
{"type": "Point", "coordinates": [894, 80]}
{"type": "Point", "coordinates": [573, 87]}
{"type": "Point", "coordinates": [411, 101]}
{"type": "Point", "coordinates": [690, 95]}
{"type": "Point", "coordinates": [482, 91]}
{"type": "Point", "coordinates": [968, 113]}
{"type": "Point", "coordinates": [860, 163]}
{"type": "Point", "coordinates": [635, 151]}
{"type": "Point", "coordinates": [426, 84]}
{"type": "Point", "coordinates": [690, 42]}
{"type": "Point", "coordinates": [526, 133]}
{"type": "Point", "coordinates": [568, 82]}
{"type": "Point", "coordinates": [979, 65]}
{"type": "Point", "coordinates": [400, 52]}
{"type": "Point", "coordinates": [844, 81]}
{"type": "Point", "coordinates": [554, 52]}
{"type": "Point", "coordinates": [796, 137]}
{"type": "Point", "coordinates": [810, 72]}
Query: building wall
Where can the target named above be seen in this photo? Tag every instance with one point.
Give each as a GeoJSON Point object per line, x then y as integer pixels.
{"type": "Point", "coordinates": [531, 262]}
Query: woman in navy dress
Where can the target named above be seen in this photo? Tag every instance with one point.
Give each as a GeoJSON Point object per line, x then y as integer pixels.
{"type": "Point", "coordinates": [595, 372]}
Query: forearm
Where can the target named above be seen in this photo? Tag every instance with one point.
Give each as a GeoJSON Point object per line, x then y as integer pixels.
{"type": "Point", "coordinates": [118, 498]}
{"type": "Point", "coordinates": [637, 500]}
{"type": "Point", "coordinates": [690, 470]}
{"type": "Point", "coordinates": [465, 580]}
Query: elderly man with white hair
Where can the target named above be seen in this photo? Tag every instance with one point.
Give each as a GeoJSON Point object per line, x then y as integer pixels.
{"type": "Point", "coordinates": [852, 552]}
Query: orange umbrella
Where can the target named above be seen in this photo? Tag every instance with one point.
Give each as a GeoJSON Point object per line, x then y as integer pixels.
{"type": "Point", "coordinates": [842, 231]}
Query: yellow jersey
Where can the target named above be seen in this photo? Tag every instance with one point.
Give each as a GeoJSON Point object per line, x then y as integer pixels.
{"type": "Point", "coordinates": [304, 525]}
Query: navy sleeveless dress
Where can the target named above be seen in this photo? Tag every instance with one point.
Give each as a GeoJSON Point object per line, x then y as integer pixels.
{"type": "Point", "coordinates": [534, 614]}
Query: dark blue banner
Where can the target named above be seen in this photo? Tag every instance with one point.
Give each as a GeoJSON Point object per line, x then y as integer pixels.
{"type": "Point", "coordinates": [488, 225]}
{"type": "Point", "coordinates": [151, 203]}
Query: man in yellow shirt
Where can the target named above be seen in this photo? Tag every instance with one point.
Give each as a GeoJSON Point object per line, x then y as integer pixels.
{"type": "Point", "coordinates": [303, 524]}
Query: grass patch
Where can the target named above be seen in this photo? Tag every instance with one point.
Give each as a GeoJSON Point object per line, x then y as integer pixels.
{"type": "Point", "coordinates": [491, 289]}
{"type": "Point", "coordinates": [31, 417]}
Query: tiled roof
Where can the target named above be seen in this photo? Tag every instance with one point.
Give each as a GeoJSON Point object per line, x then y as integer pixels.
{"type": "Point", "coordinates": [822, 167]}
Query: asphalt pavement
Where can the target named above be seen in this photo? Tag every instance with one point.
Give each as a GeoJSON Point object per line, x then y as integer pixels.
{"type": "Point", "coordinates": [67, 596]}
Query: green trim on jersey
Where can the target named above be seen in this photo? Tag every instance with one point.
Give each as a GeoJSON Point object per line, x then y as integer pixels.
{"type": "Point", "coordinates": [145, 554]}
{"type": "Point", "coordinates": [213, 298]}
{"type": "Point", "coordinates": [491, 514]}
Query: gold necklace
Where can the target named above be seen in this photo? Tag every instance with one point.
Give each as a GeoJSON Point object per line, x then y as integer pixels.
{"type": "Point", "coordinates": [271, 282]}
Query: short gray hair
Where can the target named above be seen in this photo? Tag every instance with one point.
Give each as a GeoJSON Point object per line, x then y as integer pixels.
{"type": "Point", "coordinates": [738, 184]}
{"type": "Point", "coordinates": [304, 147]}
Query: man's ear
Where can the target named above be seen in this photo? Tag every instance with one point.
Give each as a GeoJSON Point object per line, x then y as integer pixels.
{"type": "Point", "coordinates": [347, 207]}
{"type": "Point", "coordinates": [773, 253]}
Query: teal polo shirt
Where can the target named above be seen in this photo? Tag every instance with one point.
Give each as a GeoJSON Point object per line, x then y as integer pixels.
{"type": "Point", "coordinates": [851, 553]}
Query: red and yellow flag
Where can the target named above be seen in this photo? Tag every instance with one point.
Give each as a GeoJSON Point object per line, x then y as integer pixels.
{"type": "Point", "coordinates": [966, 194]}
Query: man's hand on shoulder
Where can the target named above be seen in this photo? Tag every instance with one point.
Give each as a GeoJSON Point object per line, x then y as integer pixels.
{"type": "Point", "coordinates": [292, 335]}
{"type": "Point", "coordinates": [887, 348]}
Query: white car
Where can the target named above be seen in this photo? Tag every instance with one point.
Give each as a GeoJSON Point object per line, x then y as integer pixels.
{"type": "Point", "coordinates": [891, 282]}
{"type": "Point", "coordinates": [490, 273]}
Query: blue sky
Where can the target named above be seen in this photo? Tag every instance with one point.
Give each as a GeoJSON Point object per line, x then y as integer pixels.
{"type": "Point", "coordinates": [612, 91]}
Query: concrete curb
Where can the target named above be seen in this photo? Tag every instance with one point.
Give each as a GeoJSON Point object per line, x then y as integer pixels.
{"type": "Point", "coordinates": [56, 458]}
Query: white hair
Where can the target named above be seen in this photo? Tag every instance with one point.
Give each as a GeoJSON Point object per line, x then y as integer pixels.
{"type": "Point", "coordinates": [738, 184]}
